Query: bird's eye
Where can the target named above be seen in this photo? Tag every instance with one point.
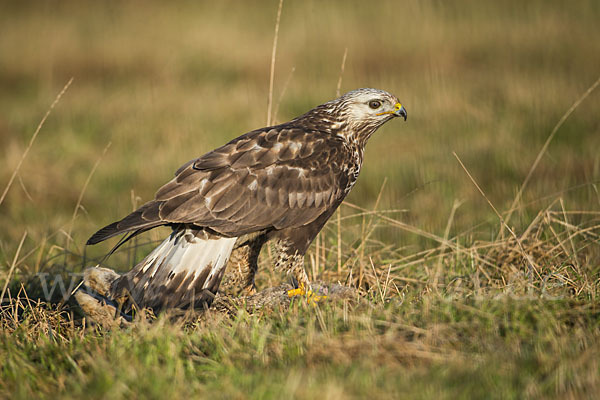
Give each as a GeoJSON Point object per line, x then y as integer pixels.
{"type": "Point", "coordinates": [374, 104]}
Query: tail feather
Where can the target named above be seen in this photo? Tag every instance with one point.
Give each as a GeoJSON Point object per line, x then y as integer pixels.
{"type": "Point", "coordinates": [144, 218]}
{"type": "Point", "coordinates": [184, 270]}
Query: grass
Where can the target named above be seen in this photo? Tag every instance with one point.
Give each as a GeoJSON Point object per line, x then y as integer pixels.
{"type": "Point", "coordinates": [456, 305]}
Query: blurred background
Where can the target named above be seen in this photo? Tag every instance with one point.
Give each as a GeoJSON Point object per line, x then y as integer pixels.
{"type": "Point", "coordinates": [165, 82]}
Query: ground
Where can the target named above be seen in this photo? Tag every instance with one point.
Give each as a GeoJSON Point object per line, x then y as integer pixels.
{"type": "Point", "coordinates": [454, 303]}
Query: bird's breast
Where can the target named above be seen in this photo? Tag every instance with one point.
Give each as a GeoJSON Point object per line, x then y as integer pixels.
{"type": "Point", "coordinates": [352, 167]}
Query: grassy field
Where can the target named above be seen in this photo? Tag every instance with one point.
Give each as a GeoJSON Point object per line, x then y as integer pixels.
{"type": "Point", "coordinates": [458, 303]}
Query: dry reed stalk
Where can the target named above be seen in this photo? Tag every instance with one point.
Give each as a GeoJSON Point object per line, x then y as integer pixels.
{"type": "Point", "coordinates": [339, 210]}
{"type": "Point", "coordinates": [35, 134]}
{"type": "Point", "coordinates": [273, 55]}
{"type": "Point", "coordinates": [342, 68]}
{"type": "Point", "coordinates": [283, 90]}
{"type": "Point", "coordinates": [271, 81]}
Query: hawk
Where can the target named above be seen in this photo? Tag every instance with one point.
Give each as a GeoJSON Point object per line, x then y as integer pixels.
{"type": "Point", "coordinates": [279, 183]}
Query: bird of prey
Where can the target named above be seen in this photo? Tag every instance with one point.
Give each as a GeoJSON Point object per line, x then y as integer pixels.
{"type": "Point", "coordinates": [279, 183]}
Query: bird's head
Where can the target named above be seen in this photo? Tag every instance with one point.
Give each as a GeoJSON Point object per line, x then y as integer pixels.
{"type": "Point", "coordinates": [360, 112]}
{"type": "Point", "coordinates": [368, 104]}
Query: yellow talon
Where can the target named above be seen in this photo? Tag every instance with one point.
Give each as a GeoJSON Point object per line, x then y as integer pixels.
{"type": "Point", "coordinates": [296, 292]}
{"type": "Point", "coordinates": [310, 295]}
{"type": "Point", "coordinates": [315, 298]}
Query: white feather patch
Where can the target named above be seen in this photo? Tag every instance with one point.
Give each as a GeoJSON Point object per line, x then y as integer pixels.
{"type": "Point", "coordinates": [183, 253]}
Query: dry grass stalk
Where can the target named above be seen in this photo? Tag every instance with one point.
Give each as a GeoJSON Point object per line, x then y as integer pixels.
{"type": "Point", "coordinates": [82, 192]}
{"type": "Point", "coordinates": [339, 211]}
{"type": "Point", "coordinates": [273, 55]}
{"type": "Point", "coordinates": [560, 122]}
{"type": "Point", "coordinates": [529, 259]}
{"type": "Point", "coordinates": [12, 266]}
{"type": "Point", "coordinates": [438, 268]}
{"type": "Point", "coordinates": [35, 134]}
{"type": "Point", "coordinates": [283, 90]}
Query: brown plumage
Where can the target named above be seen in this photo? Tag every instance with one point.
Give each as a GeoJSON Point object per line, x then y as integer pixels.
{"type": "Point", "coordinates": [281, 182]}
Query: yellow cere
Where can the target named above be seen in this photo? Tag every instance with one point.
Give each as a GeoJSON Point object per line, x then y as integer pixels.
{"type": "Point", "coordinates": [397, 106]}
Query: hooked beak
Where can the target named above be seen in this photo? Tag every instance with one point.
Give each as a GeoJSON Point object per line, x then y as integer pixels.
{"type": "Point", "coordinates": [399, 111]}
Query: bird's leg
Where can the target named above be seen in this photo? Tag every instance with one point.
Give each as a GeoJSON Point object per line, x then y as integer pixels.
{"type": "Point", "coordinates": [238, 278]}
{"type": "Point", "coordinates": [241, 269]}
{"type": "Point", "coordinates": [304, 288]}
{"type": "Point", "coordinates": [294, 264]}
{"type": "Point", "coordinates": [296, 268]}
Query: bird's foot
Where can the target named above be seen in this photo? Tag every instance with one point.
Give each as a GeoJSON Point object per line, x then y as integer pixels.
{"type": "Point", "coordinates": [311, 296]}
{"type": "Point", "coordinates": [249, 291]}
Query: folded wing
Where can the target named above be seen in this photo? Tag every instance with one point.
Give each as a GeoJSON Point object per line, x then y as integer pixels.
{"type": "Point", "coordinates": [277, 178]}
